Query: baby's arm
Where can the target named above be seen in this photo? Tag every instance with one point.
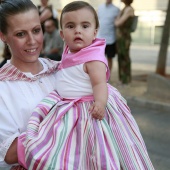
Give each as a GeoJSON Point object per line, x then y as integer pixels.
{"type": "Point", "coordinates": [97, 73]}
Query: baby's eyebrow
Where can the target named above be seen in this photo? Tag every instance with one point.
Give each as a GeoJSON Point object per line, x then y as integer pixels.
{"type": "Point", "coordinates": [69, 23]}
{"type": "Point", "coordinates": [86, 22]}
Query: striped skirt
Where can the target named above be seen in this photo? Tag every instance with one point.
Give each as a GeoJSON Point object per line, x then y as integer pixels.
{"type": "Point", "coordinates": [62, 135]}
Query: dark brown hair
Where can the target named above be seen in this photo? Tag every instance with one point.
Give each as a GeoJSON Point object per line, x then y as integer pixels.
{"type": "Point", "coordinates": [76, 5]}
{"type": "Point", "coordinates": [10, 8]}
{"type": "Point", "coordinates": [128, 2]}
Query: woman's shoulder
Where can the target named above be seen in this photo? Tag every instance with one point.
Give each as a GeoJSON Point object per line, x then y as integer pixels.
{"type": "Point", "coordinates": [10, 73]}
{"type": "Point", "coordinates": [129, 10]}
{"type": "Point", "coordinates": [49, 63]}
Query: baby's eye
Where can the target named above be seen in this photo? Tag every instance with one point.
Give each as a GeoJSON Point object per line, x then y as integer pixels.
{"type": "Point", "coordinates": [85, 26]}
{"type": "Point", "coordinates": [70, 26]}
{"type": "Point", "coordinates": [20, 34]}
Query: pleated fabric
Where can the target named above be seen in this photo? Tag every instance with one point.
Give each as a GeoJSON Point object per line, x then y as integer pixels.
{"type": "Point", "coordinates": [62, 135]}
{"type": "Point", "coordinates": [17, 167]}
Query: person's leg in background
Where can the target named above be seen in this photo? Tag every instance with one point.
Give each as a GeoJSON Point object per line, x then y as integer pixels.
{"type": "Point", "coordinates": [110, 52]}
{"type": "Point", "coordinates": [124, 62]}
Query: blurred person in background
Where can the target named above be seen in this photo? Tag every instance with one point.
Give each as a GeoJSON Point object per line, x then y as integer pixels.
{"type": "Point", "coordinates": [6, 55]}
{"type": "Point", "coordinates": [47, 11]}
{"type": "Point", "coordinates": [53, 44]}
{"type": "Point", "coordinates": [107, 14]}
{"type": "Point", "coordinates": [123, 34]}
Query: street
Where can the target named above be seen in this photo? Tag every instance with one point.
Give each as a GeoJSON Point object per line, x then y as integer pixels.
{"type": "Point", "coordinates": [144, 58]}
{"type": "Point", "coordinates": [147, 54]}
{"type": "Point", "coordinates": [155, 129]}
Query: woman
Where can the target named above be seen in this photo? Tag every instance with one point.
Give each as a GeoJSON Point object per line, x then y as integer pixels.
{"type": "Point", "coordinates": [123, 24]}
{"type": "Point", "coordinates": [25, 80]}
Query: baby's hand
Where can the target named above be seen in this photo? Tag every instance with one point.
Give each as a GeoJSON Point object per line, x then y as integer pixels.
{"type": "Point", "coordinates": [97, 110]}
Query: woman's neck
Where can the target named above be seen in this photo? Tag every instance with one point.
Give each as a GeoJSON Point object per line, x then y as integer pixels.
{"type": "Point", "coordinates": [44, 5]}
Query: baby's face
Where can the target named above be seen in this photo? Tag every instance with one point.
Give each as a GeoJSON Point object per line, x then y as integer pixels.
{"type": "Point", "coordinates": [78, 29]}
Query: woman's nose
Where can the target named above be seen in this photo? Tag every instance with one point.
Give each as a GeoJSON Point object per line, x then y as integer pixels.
{"type": "Point", "coordinates": [31, 39]}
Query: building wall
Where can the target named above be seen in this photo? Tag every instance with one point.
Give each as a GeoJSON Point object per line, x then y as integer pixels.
{"type": "Point", "coordinates": [137, 4]}
{"type": "Point", "coordinates": [151, 17]}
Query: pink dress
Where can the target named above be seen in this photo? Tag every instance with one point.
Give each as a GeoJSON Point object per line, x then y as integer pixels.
{"type": "Point", "coordinates": [62, 134]}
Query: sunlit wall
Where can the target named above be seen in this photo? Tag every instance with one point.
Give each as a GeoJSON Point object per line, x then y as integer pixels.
{"type": "Point", "coordinates": [151, 17]}
{"type": "Point", "coordinates": [138, 4]}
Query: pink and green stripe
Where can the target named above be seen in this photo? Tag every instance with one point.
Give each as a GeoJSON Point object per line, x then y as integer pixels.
{"type": "Point", "coordinates": [62, 134]}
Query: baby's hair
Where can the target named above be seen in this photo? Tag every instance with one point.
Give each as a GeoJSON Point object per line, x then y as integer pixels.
{"type": "Point", "coordinates": [76, 5]}
{"type": "Point", "coordinates": [11, 8]}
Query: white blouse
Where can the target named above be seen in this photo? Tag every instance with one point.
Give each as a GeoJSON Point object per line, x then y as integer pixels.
{"type": "Point", "coordinates": [17, 100]}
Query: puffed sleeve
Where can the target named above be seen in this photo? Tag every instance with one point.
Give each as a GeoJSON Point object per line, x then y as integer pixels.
{"type": "Point", "coordinates": [8, 131]}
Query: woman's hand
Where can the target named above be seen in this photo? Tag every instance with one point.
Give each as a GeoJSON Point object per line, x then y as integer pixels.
{"type": "Point", "coordinates": [11, 155]}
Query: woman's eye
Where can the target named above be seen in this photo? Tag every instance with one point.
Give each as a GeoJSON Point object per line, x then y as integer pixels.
{"type": "Point", "coordinates": [37, 30]}
{"type": "Point", "coordinates": [20, 34]}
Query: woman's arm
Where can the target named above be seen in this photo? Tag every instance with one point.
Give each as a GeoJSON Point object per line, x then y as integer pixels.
{"type": "Point", "coordinates": [9, 131]}
{"type": "Point", "coordinates": [97, 73]}
{"type": "Point", "coordinates": [16, 152]}
{"type": "Point", "coordinates": [8, 137]}
{"type": "Point", "coordinates": [45, 15]}
{"type": "Point", "coordinates": [120, 20]}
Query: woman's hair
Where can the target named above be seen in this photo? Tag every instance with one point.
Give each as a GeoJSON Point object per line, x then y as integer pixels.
{"type": "Point", "coordinates": [10, 8]}
{"type": "Point", "coordinates": [128, 2]}
{"type": "Point", "coordinates": [6, 52]}
{"type": "Point", "coordinates": [76, 5]}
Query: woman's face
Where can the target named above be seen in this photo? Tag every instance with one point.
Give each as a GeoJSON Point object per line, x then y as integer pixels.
{"type": "Point", "coordinates": [24, 37]}
{"type": "Point", "coordinates": [108, 1]}
{"type": "Point", "coordinates": [44, 2]}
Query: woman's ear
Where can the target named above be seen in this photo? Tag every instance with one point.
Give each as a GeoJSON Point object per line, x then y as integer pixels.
{"type": "Point", "coordinates": [2, 37]}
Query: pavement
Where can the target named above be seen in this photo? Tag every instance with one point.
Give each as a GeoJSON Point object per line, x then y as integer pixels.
{"type": "Point", "coordinates": [155, 130]}
{"type": "Point", "coordinates": [136, 92]}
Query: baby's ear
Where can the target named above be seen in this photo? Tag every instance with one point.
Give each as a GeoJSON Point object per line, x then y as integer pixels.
{"type": "Point", "coordinates": [61, 34]}
{"type": "Point", "coordinates": [95, 33]}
